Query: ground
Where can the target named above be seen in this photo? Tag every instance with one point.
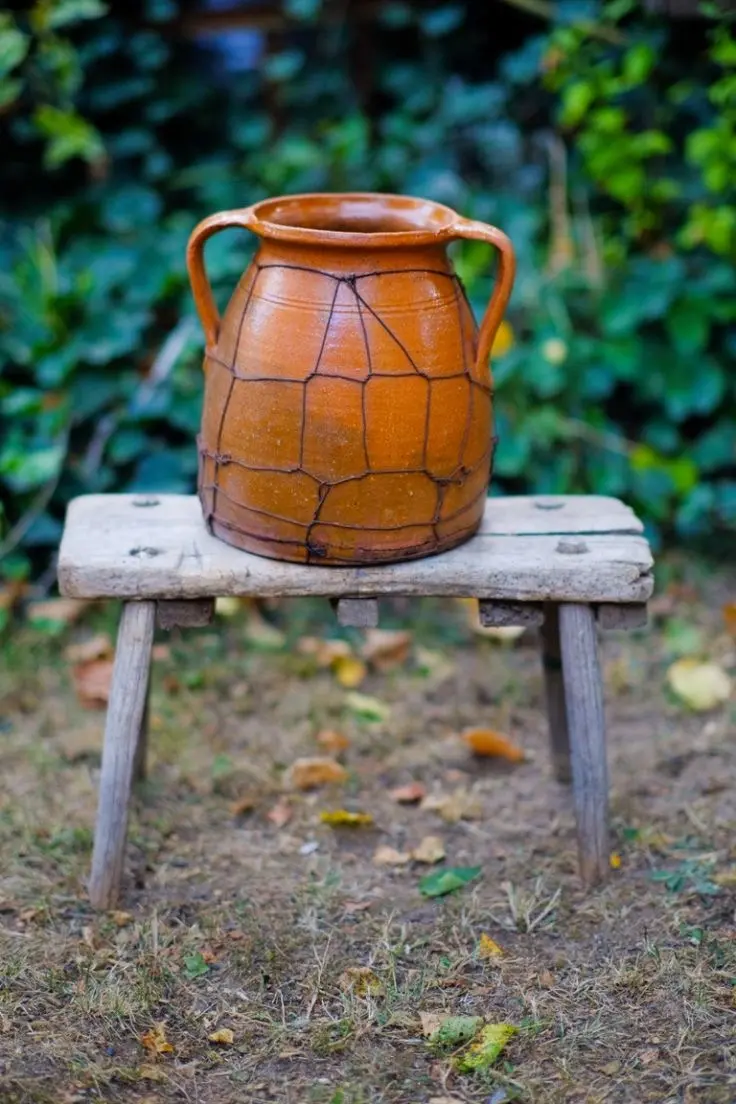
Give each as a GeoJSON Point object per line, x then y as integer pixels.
{"type": "Point", "coordinates": [229, 921]}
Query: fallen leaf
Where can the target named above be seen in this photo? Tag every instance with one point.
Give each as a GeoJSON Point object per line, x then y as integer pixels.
{"type": "Point", "coordinates": [342, 818]}
{"type": "Point", "coordinates": [448, 880]}
{"type": "Point", "coordinates": [366, 707]}
{"type": "Point", "coordinates": [648, 1056]}
{"type": "Point", "coordinates": [409, 794]}
{"type": "Point", "coordinates": [324, 652]}
{"type": "Point", "coordinates": [361, 981]}
{"type": "Point", "coordinates": [701, 686]}
{"type": "Point", "coordinates": [487, 743]}
{"type": "Point", "coordinates": [725, 878]}
{"type": "Point", "coordinates": [223, 1036]}
{"type": "Point", "coordinates": [615, 860]}
{"type": "Point", "coordinates": [454, 1031]}
{"type": "Point", "coordinates": [92, 682]}
{"type": "Point", "coordinates": [389, 856]}
{"type": "Point", "coordinates": [489, 948]}
{"type": "Point", "coordinates": [430, 1022]}
{"type": "Point", "coordinates": [332, 741]}
{"type": "Point", "coordinates": [434, 665]}
{"type": "Point", "coordinates": [227, 607]}
{"type": "Point", "coordinates": [155, 1041]}
{"type": "Point", "coordinates": [151, 1073]}
{"type": "Point", "coordinates": [243, 805]}
{"type": "Point", "coordinates": [261, 633]}
{"type": "Point", "coordinates": [386, 648]}
{"type": "Point", "coordinates": [280, 814]}
{"type": "Point", "coordinates": [486, 1049]}
{"type": "Point", "coordinates": [121, 919]}
{"type": "Point", "coordinates": [729, 617]}
{"type": "Point", "coordinates": [429, 850]}
{"type": "Point", "coordinates": [309, 774]}
{"type": "Point", "coordinates": [349, 671]}
{"type": "Point", "coordinates": [57, 611]}
{"type": "Point", "coordinates": [546, 979]}
{"type": "Point", "coordinates": [99, 646]}
{"type": "Point", "coordinates": [460, 805]}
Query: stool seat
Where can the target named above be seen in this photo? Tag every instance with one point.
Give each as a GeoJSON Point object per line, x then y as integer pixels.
{"type": "Point", "coordinates": [568, 564]}
{"type": "Point", "coordinates": [157, 547]}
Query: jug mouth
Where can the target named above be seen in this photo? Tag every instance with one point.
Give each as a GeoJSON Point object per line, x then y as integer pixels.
{"type": "Point", "coordinates": [349, 219]}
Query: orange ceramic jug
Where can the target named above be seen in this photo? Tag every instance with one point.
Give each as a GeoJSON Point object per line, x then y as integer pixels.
{"type": "Point", "coordinates": [347, 410]}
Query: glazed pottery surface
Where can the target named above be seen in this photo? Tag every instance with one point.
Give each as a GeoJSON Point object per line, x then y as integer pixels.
{"type": "Point", "coordinates": [347, 412]}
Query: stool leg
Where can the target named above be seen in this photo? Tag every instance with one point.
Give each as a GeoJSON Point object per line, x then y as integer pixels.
{"type": "Point", "coordinates": [555, 694]}
{"type": "Point", "coordinates": [586, 726]}
{"type": "Point", "coordinates": [122, 729]}
{"type": "Point", "coordinates": [141, 751]}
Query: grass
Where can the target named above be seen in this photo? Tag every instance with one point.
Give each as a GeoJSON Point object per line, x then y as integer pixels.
{"type": "Point", "coordinates": [227, 921]}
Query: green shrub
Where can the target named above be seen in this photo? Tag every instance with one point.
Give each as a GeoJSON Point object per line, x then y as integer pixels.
{"type": "Point", "coordinates": [602, 145]}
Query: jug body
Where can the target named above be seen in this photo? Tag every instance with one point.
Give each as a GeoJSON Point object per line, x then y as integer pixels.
{"type": "Point", "coordinates": [347, 414]}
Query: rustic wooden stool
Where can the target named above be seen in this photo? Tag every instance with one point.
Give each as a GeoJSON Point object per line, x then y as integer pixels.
{"type": "Point", "coordinates": [561, 563]}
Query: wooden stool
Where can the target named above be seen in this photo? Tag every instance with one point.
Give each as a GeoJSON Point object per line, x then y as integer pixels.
{"type": "Point", "coordinates": [561, 563]}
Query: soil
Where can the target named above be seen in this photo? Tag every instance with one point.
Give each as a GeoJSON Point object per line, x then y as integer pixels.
{"type": "Point", "coordinates": [231, 920]}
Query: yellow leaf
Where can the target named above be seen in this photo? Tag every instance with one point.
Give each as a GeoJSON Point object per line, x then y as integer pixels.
{"type": "Point", "coordinates": [486, 742]}
{"type": "Point", "coordinates": [361, 981]}
{"type": "Point", "coordinates": [325, 652]}
{"type": "Point", "coordinates": [430, 850]}
{"type": "Point", "coordinates": [227, 607]}
{"type": "Point", "coordinates": [155, 1041]}
{"type": "Point", "coordinates": [349, 671]}
{"type": "Point", "coordinates": [460, 805]}
{"type": "Point", "coordinates": [701, 686]}
{"type": "Point", "coordinates": [726, 878]}
{"type": "Point", "coordinates": [615, 860]}
{"type": "Point", "coordinates": [341, 818]}
{"type": "Point", "coordinates": [151, 1073]}
{"type": "Point", "coordinates": [309, 774]}
{"type": "Point", "coordinates": [223, 1035]}
{"type": "Point", "coordinates": [389, 856]}
{"type": "Point", "coordinates": [489, 948]}
{"type": "Point", "coordinates": [503, 342]}
{"type": "Point", "coordinates": [487, 1047]}
{"type": "Point", "coordinates": [121, 919]}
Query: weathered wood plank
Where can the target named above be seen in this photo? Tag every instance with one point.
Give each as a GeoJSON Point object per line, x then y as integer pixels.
{"type": "Point", "coordinates": [113, 549]}
{"type": "Point", "coordinates": [357, 613]}
{"type": "Point", "coordinates": [554, 691]}
{"type": "Point", "coordinates": [622, 617]}
{"type": "Point", "coordinates": [193, 614]}
{"type": "Point", "coordinates": [494, 615]}
{"type": "Point", "coordinates": [586, 727]}
{"type": "Point", "coordinates": [517, 515]}
{"type": "Point", "coordinates": [125, 713]}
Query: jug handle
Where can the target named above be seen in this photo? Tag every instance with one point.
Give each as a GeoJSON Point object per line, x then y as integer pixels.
{"type": "Point", "coordinates": [204, 301]}
{"type": "Point", "coordinates": [481, 231]}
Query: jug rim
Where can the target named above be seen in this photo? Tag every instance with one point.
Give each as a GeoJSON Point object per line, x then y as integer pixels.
{"type": "Point", "coordinates": [345, 219]}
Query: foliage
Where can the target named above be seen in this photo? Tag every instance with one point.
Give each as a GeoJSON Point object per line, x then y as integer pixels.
{"type": "Point", "coordinates": [603, 143]}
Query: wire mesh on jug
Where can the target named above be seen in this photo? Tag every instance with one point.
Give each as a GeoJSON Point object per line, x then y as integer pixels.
{"type": "Point", "coordinates": [264, 429]}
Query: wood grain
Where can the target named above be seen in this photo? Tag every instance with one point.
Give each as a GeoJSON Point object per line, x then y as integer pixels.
{"type": "Point", "coordinates": [125, 714]}
{"type": "Point", "coordinates": [586, 727]}
{"type": "Point", "coordinates": [113, 549]}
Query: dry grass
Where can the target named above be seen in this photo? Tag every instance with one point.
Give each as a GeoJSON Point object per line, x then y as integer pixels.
{"type": "Point", "coordinates": [624, 994]}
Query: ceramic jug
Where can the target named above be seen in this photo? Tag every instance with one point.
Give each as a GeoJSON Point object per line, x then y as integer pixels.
{"type": "Point", "coordinates": [347, 410]}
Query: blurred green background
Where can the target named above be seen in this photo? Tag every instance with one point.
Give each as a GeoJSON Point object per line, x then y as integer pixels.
{"type": "Point", "coordinates": [601, 136]}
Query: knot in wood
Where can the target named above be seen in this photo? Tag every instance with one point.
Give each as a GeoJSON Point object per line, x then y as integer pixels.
{"type": "Point", "coordinates": [571, 547]}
